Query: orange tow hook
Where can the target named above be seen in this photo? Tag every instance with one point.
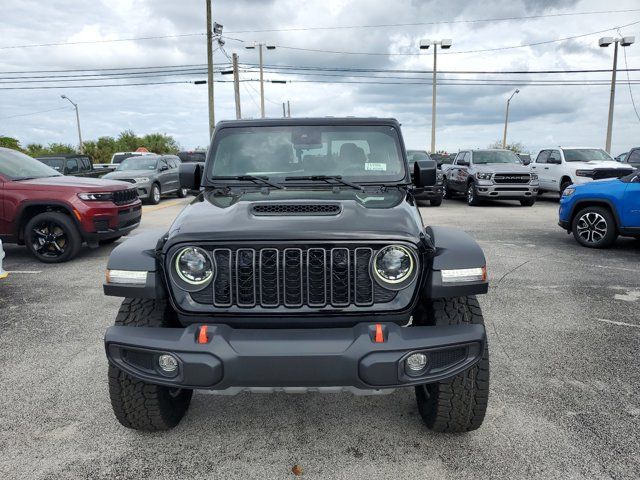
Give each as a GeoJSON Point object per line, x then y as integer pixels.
{"type": "Point", "coordinates": [202, 334]}
{"type": "Point", "coordinates": [379, 336]}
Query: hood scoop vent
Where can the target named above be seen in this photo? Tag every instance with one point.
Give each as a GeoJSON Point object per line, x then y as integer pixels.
{"type": "Point", "coordinates": [296, 209]}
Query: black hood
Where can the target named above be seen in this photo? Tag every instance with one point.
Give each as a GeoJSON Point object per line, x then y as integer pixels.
{"type": "Point", "coordinates": [353, 215]}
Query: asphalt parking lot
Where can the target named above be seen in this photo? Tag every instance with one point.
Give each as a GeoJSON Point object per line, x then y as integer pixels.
{"type": "Point", "coordinates": [564, 331]}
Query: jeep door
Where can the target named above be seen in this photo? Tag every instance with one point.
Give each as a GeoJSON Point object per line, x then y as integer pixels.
{"type": "Point", "coordinates": [630, 208]}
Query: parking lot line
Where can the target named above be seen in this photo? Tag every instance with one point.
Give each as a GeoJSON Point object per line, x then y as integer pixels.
{"type": "Point", "coordinates": [614, 322]}
{"type": "Point", "coordinates": [164, 205]}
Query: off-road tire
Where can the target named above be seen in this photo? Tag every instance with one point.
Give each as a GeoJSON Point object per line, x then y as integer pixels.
{"type": "Point", "coordinates": [154, 199]}
{"type": "Point", "coordinates": [436, 202]}
{"type": "Point", "coordinates": [71, 235]}
{"type": "Point", "coordinates": [460, 403]}
{"type": "Point", "coordinates": [137, 404]}
{"type": "Point", "coordinates": [528, 202]}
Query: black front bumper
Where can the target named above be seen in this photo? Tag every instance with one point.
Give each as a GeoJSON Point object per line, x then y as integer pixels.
{"type": "Point", "coordinates": [272, 358]}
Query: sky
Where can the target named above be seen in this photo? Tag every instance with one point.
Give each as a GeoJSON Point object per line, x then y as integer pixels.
{"type": "Point", "coordinates": [470, 107]}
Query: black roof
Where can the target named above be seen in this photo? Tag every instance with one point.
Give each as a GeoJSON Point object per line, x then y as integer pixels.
{"type": "Point", "coordinates": [278, 122]}
{"type": "Point", "coordinates": [63, 155]}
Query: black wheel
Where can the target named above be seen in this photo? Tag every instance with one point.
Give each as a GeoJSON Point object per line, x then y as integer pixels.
{"type": "Point", "coordinates": [446, 191]}
{"type": "Point", "coordinates": [182, 192]}
{"type": "Point", "coordinates": [52, 237]}
{"type": "Point", "coordinates": [460, 403]}
{"type": "Point", "coordinates": [564, 185]}
{"type": "Point", "coordinates": [436, 202]}
{"type": "Point", "coordinates": [472, 195]}
{"type": "Point", "coordinates": [140, 405]}
{"type": "Point", "coordinates": [528, 202]}
{"type": "Point", "coordinates": [594, 227]}
{"type": "Point", "coordinates": [109, 241]}
{"type": "Point", "coordinates": [154, 194]}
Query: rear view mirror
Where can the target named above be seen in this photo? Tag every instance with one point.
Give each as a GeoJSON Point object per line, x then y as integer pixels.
{"type": "Point", "coordinates": [424, 173]}
{"type": "Point", "coordinates": [190, 175]}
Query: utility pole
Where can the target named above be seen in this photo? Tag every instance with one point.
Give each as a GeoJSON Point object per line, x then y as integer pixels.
{"type": "Point", "coordinates": [236, 85]}
{"type": "Point", "coordinates": [424, 45]}
{"type": "Point", "coordinates": [75, 105]}
{"type": "Point", "coordinates": [288, 109]}
{"type": "Point", "coordinates": [506, 119]}
{"type": "Point", "coordinates": [269, 47]}
{"type": "Point", "coordinates": [605, 42]}
{"type": "Point", "coordinates": [212, 118]}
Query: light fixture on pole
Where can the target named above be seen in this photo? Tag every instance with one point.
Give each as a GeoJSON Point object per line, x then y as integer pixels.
{"type": "Point", "coordinates": [445, 43]}
{"type": "Point", "coordinates": [260, 45]}
{"type": "Point", "coordinates": [506, 119]}
{"type": "Point", "coordinates": [605, 42]}
{"type": "Point", "coordinates": [75, 105]}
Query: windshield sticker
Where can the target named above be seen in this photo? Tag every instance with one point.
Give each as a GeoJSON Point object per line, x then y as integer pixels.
{"type": "Point", "coordinates": [380, 167]}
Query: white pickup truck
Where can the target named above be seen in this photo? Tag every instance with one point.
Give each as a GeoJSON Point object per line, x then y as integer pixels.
{"type": "Point", "coordinates": [559, 167]}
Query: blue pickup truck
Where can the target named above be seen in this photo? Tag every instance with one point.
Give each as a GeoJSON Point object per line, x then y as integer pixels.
{"type": "Point", "coordinates": [597, 212]}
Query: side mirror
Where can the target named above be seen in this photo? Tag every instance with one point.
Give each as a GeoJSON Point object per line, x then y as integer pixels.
{"type": "Point", "coordinates": [424, 173]}
{"type": "Point", "coordinates": [526, 161]}
{"type": "Point", "coordinates": [190, 175]}
{"type": "Point", "coordinates": [164, 168]}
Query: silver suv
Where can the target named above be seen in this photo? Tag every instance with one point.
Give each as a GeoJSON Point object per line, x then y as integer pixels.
{"type": "Point", "coordinates": [496, 173]}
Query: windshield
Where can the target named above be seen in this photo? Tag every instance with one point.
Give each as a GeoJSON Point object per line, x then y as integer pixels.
{"type": "Point", "coordinates": [585, 155]}
{"type": "Point", "coordinates": [142, 162]}
{"type": "Point", "coordinates": [417, 155]}
{"type": "Point", "coordinates": [357, 153]}
{"type": "Point", "coordinates": [119, 157]}
{"type": "Point", "coordinates": [495, 156]}
{"type": "Point", "coordinates": [55, 163]}
{"type": "Point", "coordinates": [188, 157]}
{"type": "Point", "coordinates": [18, 166]}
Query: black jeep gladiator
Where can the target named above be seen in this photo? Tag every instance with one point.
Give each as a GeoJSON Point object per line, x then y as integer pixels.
{"type": "Point", "coordinates": [302, 265]}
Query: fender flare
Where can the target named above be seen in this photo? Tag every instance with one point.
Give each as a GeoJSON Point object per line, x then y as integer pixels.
{"type": "Point", "coordinates": [454, 249]}
{"type": "Point", "coordinates": [138, 253]}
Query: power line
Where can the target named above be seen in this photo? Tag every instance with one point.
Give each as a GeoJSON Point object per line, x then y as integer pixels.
{"type": "Point", "coordinates": [450, 52]}
{"type": "Point", "coordinates": [35, 113]}
{"type": "Point", "coordinates": [87, 42]}
{"type": "Point", "coordinates": [443, 22]}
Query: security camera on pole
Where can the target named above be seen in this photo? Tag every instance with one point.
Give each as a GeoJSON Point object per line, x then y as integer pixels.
{"type": "Point", "coordinates": [605, 42]}
{"type": "Point", "coordinates": [445, 43]}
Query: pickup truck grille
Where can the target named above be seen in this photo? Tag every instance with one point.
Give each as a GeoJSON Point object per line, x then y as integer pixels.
{"type": "Point", "coordinates": [511, 178]}
{"type": "Point", "coordinates": [122, 197]}
{"type": "Point", "coordinates": [293, 277]}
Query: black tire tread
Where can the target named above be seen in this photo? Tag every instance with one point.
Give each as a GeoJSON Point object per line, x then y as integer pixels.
{"type": "Point", "coordinates": [459, 404]}
{"type": "Point", "coordinates": [137, 404]}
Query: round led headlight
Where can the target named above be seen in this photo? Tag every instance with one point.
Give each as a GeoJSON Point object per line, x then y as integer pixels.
{"type": "Point", "coordinates": [394, 266]}
{"type": "Point", "coordinates": [193, 266]}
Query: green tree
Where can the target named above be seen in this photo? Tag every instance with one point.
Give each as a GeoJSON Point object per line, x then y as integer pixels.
{"type": "Point", "coordinates": [10, 142]}
{"type": "Point", "coordinates": [160, 143]}
{"type": "Point", "coordinates": [127, 141]}
{"type": "Point", "coordinates": [517, 147]}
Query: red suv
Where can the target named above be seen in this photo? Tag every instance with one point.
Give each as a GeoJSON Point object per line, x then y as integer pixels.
{"type": "Point", "coordinates": [52, 214]}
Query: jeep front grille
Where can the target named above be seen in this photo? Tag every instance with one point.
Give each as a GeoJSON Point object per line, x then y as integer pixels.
{"type": "Point", "coordinates": [511, 178]}
{"type": "Point", "coordinates": [293, 277]}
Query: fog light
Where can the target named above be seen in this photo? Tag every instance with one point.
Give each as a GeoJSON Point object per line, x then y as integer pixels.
{"type": "Point", "coordinates": [167, 363]}
{"type": "Point", "coordinates": [416, 363]}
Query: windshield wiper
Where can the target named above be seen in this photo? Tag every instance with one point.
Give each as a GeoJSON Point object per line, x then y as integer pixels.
{"type": "Point", "coordinates": [250, 178]}
{"type": "Point", "coordinates": [326, 178]}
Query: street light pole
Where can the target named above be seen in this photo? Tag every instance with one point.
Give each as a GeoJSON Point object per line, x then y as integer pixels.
{"type": "Point", "coordinates": [75, 105]}
{"type": "Point", "coordinates": [506, 119]}
{"type": "Point", "coordinates": [424, 45]}
{"type": "Point", "coordinates": [269, 47]}
{"type": "Point", "coordinates": [212, 117]}
{"type": "Point", "coordinates": [605, 42]}
{"type": "Point", "coordinates": [236, 85]}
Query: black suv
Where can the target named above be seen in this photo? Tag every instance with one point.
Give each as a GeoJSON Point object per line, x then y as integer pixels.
{"type": "Point", "coordinates": [303, 265]}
